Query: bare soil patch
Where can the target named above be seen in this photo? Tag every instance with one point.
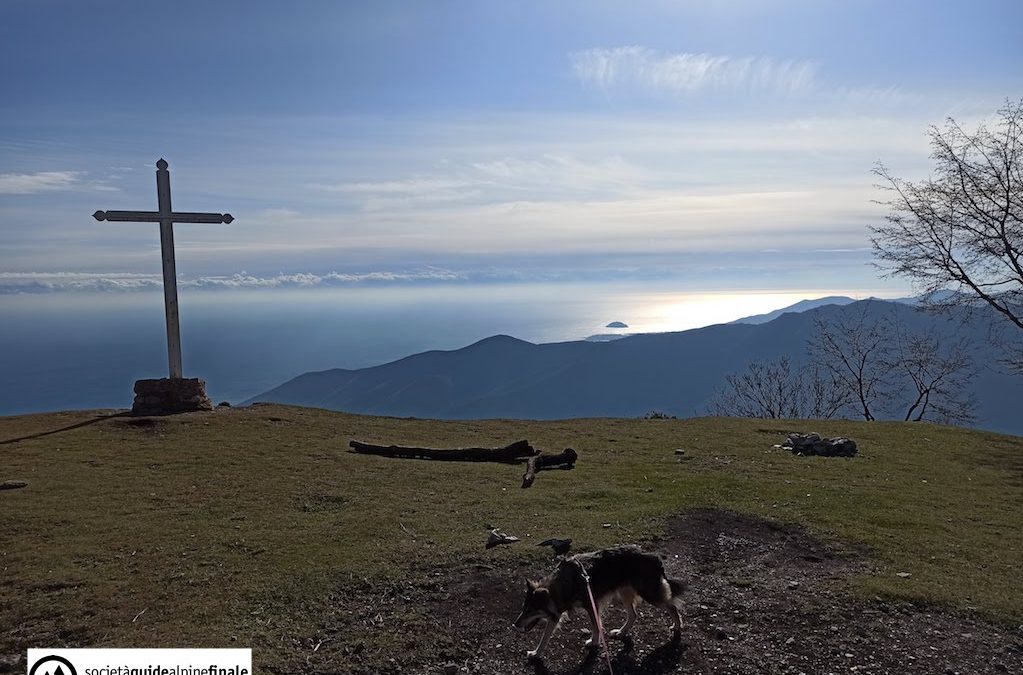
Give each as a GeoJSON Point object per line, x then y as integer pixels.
{"type": "Point", "coordinates": [763, 597]}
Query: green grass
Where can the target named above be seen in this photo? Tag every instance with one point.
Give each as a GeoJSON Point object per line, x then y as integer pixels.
{"type": "Point", "coordinates": [228, 524]}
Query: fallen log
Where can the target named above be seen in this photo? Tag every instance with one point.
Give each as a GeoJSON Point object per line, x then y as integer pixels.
{"type": "Point", "coordinates": [541, 462]}
{"type": "Point", "coordinates": [509, 454]}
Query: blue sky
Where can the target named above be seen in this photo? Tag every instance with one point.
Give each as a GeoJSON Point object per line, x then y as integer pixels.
{"type": "Point", "coordinates": [722, 145]}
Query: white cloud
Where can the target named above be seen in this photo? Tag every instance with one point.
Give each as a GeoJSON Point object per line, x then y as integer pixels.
{"type": "Point", "coordinates": [43, 181]}
{"type": "Point", "coordinates": [50, 282]}
{"type": "Point", "coordinates": [42, 282]}
{"type": "Point", "coordinates": [309, 280]}
{"type": "Point", "coordinates": [685, 72]}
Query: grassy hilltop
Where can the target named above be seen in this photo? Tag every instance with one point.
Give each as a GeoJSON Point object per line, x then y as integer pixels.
{"type": "Point", "coordinates": [255, 527]}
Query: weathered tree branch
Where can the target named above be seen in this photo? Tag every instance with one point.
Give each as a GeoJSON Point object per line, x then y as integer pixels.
{"type": "Point", "coordinates": [541, 462]}
{"type": "Point", "coordinates": [510, 454]}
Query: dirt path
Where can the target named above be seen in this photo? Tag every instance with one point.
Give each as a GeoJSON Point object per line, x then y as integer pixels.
{"type": "Point", "coordinates": [763, 598]}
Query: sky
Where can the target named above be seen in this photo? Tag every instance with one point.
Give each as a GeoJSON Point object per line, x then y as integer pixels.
{"type": "Point", "coordinates": [703, 145]}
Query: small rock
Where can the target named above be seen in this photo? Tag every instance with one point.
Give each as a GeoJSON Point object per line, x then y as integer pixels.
{"type": "Point", "coordinates": [679, 452]}
{"type": "Point", "coordinates": [903, 575]}
{"type": "Point", "coordinates": [793, 585]}
{"type": "Point", "coordinates": [497, 538]}
{"type": "Point", "coordinates": [12, 484]}
{"type": "Point", "coordinates": [450, 669]}
{"type": "Point", "coordinates": [606, 525]}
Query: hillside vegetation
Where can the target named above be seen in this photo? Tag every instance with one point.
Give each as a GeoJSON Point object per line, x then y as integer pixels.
{"type": "Point", "coordinates": [255, 526]}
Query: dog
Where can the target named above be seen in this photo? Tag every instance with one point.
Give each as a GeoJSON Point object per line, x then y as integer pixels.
{"type": "Point", "coordinates": [625, 571]}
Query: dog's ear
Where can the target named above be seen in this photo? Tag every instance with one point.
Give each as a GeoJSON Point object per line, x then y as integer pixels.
{"type": "Point", "coordinates": [531, 585]}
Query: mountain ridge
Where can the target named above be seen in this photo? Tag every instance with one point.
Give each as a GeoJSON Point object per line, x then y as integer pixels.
{"type": "Point", "coordinates": [678, 372]}
{"type": "Point", "coordinates": [801, 306]}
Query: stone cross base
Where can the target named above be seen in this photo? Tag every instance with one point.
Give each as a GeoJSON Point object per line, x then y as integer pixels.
{"type": "Point", "coordinates": [165, 396]}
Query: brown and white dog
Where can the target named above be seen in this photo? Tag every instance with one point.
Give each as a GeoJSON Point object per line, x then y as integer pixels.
{"type": "Point", "coordinates": [624, 571]}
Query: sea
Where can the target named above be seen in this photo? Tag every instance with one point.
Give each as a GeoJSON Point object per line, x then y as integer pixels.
{"type": "Point", "coordinates": [83, 350]}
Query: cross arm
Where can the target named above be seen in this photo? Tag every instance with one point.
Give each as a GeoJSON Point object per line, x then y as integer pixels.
{"type": "Point", "coordinates": [156, 217]}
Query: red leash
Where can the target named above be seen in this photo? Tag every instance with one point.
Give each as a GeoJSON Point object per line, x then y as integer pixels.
{"type": "Point", "coordinates": [601, 638]}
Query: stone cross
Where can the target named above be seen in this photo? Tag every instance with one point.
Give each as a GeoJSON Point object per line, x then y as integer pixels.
{"type": "Point", "coordinates": [166, 217]}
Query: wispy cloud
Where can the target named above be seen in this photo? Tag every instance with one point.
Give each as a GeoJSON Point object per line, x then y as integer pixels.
{"type": "Point", "coordinates": [280, 213]}
{"type": "Point", "coordinates": [565, 170]}
{"type": "Point", "coordinates": [43, 181]}
{"type": "Point", "coordinates": [407, 187]}
{"type": "Point", "coordinates": [52, 282]}
{"type": "Point", "coordinates": [496, 180]}
{"type": "Point", "coordinates": [686, 72]}
{"type": "Point", "coordinates": [52, 181]}
{"type": "Point", "coordinates": [375, 195]}
{"type": "Point", "coordinates": [539, 188]}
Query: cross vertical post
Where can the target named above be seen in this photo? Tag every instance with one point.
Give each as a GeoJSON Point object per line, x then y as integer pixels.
{"type": "Point", "coordinates": [170, 275]}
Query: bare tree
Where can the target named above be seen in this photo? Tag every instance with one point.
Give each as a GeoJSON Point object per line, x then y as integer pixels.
{"type": "Point", "coordinates": [937, 376]}
{"type": "Point", "coordinates": [854, 350]}
{"type": "Point", "coordinates": [825, 397]}
{"type": "Point", "coordinates": [958, 235]}
{"type": "Point", "coordinates": [859, 363]}
{"type": "Point", "coordinates": [875, 362]}
{"type": "Point", "coordinates": [776, 389]}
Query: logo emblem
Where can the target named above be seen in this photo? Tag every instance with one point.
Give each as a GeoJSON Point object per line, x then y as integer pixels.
{"type": "Point", "coordinates": [54, 665]}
